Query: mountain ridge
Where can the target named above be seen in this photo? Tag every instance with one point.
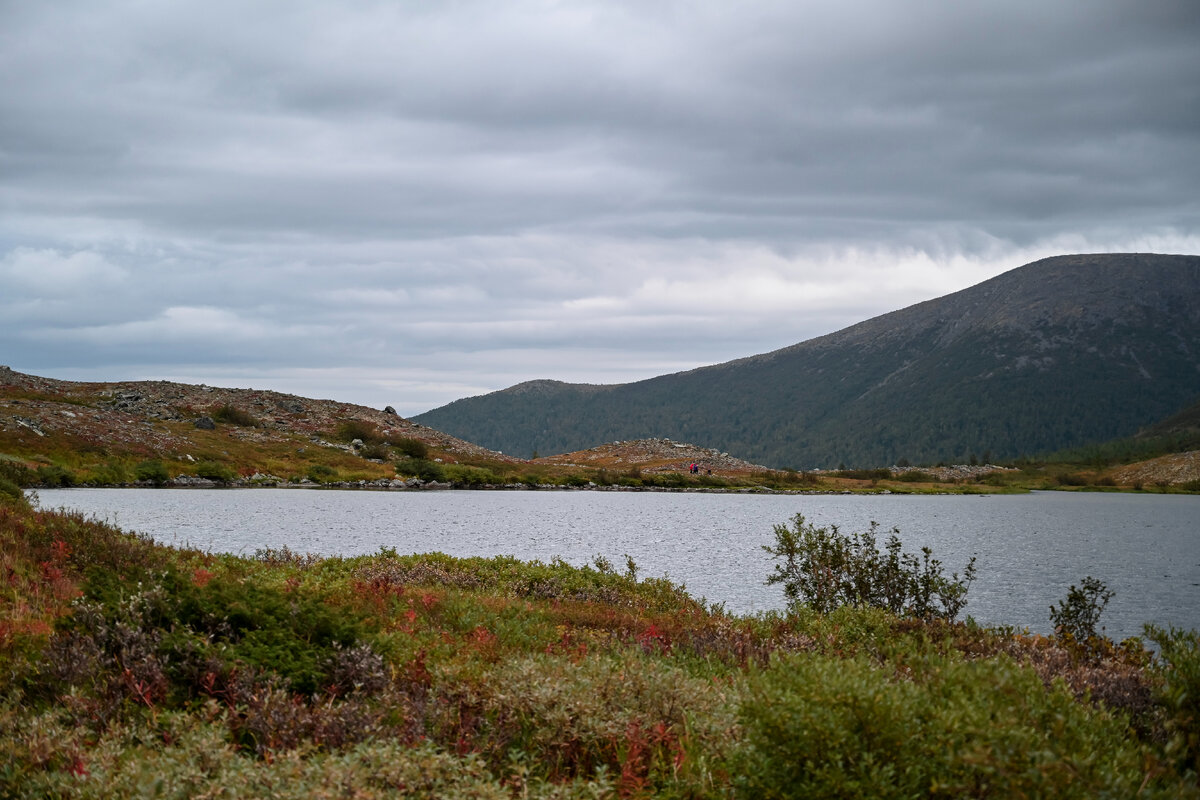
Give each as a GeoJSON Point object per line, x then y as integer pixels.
{"type": "Point", "coordinates": [1057, 353]}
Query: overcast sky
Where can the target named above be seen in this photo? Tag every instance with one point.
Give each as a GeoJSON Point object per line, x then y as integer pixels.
{"type": "Point", "coordinates": [406, 203]}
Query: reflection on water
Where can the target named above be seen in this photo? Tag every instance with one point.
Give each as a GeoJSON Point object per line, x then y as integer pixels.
{"type": "Point", "coordinates": [1030, 548]}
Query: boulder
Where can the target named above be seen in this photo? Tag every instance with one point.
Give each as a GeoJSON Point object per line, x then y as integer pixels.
{"type": "Point", "coordinates": [194, 481]}
{"type": "Point", "coordinates": [205, 424]}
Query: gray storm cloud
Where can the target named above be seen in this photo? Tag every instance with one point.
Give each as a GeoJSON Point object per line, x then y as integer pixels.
{"type": "Point", "coordinates": [405, 203]}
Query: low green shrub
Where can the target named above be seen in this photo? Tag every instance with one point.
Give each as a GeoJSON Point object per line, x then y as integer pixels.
{"type": "Point", "coordinates": [1179, 693]}
{"type": "Point", "coordinates": [463, 475]}
{"type": "Point", "coordinates": [352, 429]}
{"type": "Point", "coordinates": [821, 726]}
{"type": "Point", "coordinates": [187, 635]}
{"type": "Point", "coordinates": [232, 415]}
{"type": "Point", "coordinates": [16, 472]}
{"type": "Point", "coordinates": [153, 471]}
{"type": "Point", "coordinates": [215, 471]}
{"type": "Point", "coordinates": [711, 481]}
{"type": "Point", "coordinates": [421, 468]}
{"type": "Point", "coordinates": [113, 473]}
{"type": "Point", "coordinates": [10, 492]}
{"type": "Point", "coordinates": [377, 452]}
{"type": "Point", "coordinates": [536, 580]}
{"type": "Point", "coordinates": [635, 717]}
{"type": "Point", "coordinates": [321, 473]}
{"type": "Point", "coordinates": [193, 758]}
{"type": "Point", "coordinates": [413, 448]}
{"type": "Point", "coordinates": [664, 480]}
{"type": "Point", "coordinates": [54, 476]}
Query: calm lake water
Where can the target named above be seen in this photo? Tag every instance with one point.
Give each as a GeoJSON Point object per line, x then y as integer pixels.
{"type": "Point", "coordinates": [1029, 548]}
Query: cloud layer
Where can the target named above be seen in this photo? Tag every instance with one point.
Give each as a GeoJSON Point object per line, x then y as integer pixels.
{"type": "Point", "coordinates": [405, 203]}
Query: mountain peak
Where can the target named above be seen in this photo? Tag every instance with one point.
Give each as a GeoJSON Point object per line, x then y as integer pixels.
{"type": "Point", "coordinates": [1057, 353]}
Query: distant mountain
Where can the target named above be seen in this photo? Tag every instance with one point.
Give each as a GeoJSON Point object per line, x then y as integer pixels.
{"type": "Point", "coordinates": [1059, 353]}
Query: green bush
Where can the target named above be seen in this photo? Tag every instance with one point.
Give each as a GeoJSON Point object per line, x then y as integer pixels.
{"type": "Point", "coordinates": [1076, 619]}
{"type": "Point", "coordinates": [232, 415]}
{"type": "Point", "coordinates": [53, 476]}
{"type": "Point", "coordinates": [413, 448]}
{"type": "Point", "coordinates": [818, 726]}
{"type": "Point", "coordinates": [111, 474]}
{"type": "Point", "coordinates": [421, 468]}
{"type": "Point", "coordinates": [824, 568]}
{"type": "Point", "coordinates": [152, 470]}
{"type": "Point", "coordinates": [1179, 692]}
{"type": "Point", "coordinates": [378, 452]}
{"type": "Point", "coordinates": [464, 475]}
{"type": "Point", "coordinates": [215, 471]}
{"type": "Point", "coordinates": [16, 472]}
{"type": "Point", "coordinates": [631, 716]}
{"type": "Point", "coordinates": [352, 429]}
{"type": "Point", "coordinates": [174, 634]}
{"type": "Point", "coordinates": [321, 473]}
{"type": "Point", "coordinates": [711, 481]}
{"type": "Point", "coordinates": [10, 492]}
{"type": "Point", "coordinates": [665, 480]}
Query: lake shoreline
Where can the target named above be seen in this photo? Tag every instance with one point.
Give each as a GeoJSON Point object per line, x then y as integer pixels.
{"type": "Point", "coordinates": [383, 485]}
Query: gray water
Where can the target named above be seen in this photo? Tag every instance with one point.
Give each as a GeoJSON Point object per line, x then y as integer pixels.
{"type": "Point", "coordinates": [1029, 548]}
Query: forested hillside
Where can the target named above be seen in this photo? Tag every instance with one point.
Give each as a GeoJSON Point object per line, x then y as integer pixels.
{"type": "Point", "coordinates": [1056, 354]}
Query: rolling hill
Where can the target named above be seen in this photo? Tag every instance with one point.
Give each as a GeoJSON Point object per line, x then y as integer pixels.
{"type": "Point", "coordinates": [1059, 353]}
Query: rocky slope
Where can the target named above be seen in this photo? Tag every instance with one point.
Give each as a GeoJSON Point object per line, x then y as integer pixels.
{"type": "Point", "coordinates": [1169, 470]}
{"type": "Point", "coordinates": [656, 456]}
{"type": "Point", "coordinates": [160, 418]}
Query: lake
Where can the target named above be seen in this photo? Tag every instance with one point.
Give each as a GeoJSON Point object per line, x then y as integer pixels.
{"type": "Point", "coordinates": [1029, 548]}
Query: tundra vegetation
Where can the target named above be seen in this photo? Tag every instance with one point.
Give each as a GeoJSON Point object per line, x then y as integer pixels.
{"type": "Point", "coordinates": [255, 448]}
{"type": "Point", "coordinates": [130, 669]}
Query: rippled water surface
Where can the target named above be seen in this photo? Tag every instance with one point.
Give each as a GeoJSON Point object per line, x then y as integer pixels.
{"type": "Point", "coordinates": [1030, 548]}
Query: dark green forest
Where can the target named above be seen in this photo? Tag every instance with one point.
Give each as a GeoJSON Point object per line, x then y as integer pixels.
{"type": "Point", "coordinates": [1060, 354]}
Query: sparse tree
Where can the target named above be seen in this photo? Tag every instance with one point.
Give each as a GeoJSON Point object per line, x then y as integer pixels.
{"type": "Point", "coordinates": [824, 568]}
{"type": "Point", "coordinates": [1076, 619]}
